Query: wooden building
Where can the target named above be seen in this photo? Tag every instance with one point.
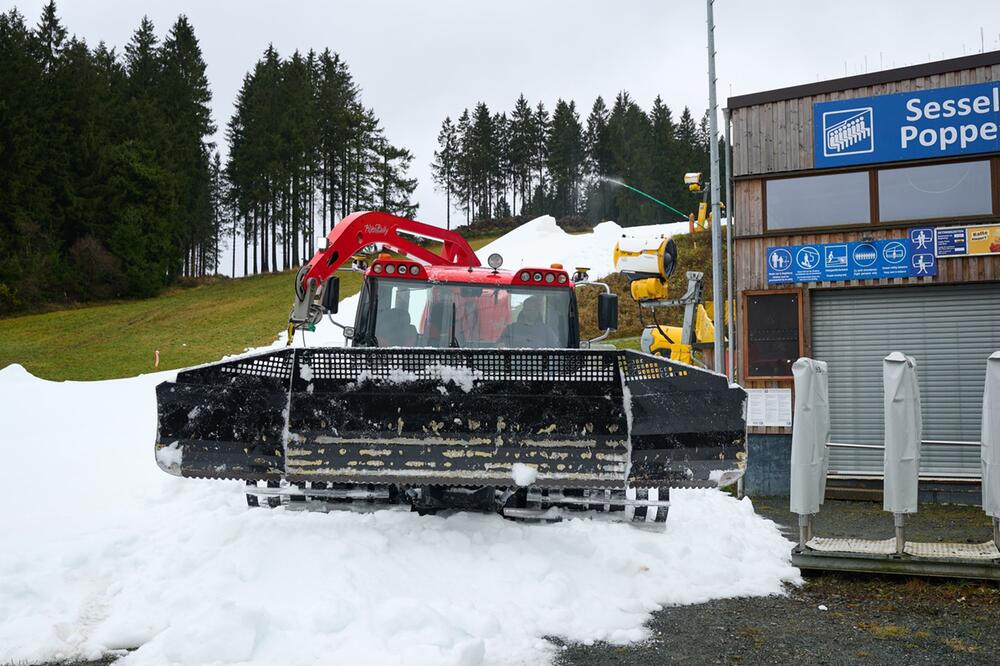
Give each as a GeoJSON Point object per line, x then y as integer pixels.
{"type": "Point", "coordinates": [867, 216]}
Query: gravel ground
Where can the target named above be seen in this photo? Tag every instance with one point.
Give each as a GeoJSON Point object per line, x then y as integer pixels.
{"type": "Point", "coordinates": [934, 522]}
{"type": "Point", "coordinates": [874, 620]}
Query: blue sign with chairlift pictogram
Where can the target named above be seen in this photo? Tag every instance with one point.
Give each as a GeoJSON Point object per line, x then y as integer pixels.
{"type": "Point", "coordinates": [912, 256]}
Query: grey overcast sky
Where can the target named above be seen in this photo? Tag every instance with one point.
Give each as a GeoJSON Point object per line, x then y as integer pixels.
{"type": "Point", "coordinates": [418, 61]}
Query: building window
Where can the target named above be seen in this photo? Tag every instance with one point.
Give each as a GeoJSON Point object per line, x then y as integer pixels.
{"type": "Point", "coordinates": [773, 333]}
{"type": "Point", "coordinates": [828, 200]}
{"type": "Point", "coordinates": [956, 189]}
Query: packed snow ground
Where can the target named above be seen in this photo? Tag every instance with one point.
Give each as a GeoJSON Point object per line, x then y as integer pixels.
{"type": "Point", "coordinates": [103, 551]}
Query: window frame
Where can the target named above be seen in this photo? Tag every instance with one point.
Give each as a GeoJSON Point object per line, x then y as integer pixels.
{"type": "Point", "coordinates": [875, 221]}
{"type": "Point", "coordinates": [747, 294]}
{"type": "Point", "coordinates": [366, 319]}
{"type": "Point", "coordinates": [872, 214]}
{"type": "Point", "coordinates": [991, 163]}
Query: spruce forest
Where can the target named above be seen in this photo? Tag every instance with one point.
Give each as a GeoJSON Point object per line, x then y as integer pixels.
{"type": "Point", "coordinates": [111, 185]}
{"type": "Point", "coordinates": [530, 162]}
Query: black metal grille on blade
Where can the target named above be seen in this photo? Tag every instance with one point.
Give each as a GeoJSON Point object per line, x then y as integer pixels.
{"type": "Point", "coordinates": [482, 364]}
{"type": "Point", "coordinates": [277, 365]}
{"type": "Point", "coordinates": [451, 416]}
{"type": "Point", "coordinates": [643, 366]}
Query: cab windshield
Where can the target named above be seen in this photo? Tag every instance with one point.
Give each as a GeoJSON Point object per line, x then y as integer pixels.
{"type": "Point", "coordinates": [425, 314]}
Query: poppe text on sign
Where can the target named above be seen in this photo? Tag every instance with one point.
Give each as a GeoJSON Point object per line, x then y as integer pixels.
{"type": "Point", "coordinates": [907, 126]}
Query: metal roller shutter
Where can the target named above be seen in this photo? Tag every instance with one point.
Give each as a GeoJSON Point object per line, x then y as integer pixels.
{"type": "Point", "coordinates": [950, 330]}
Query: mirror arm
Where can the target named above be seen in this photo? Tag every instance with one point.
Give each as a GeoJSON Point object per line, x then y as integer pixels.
{"type": "Point", "coordinates": [607, 289]}
{"type": "Point", "coordinates": [337, 323]}
{"type": "Point", "coordinates": [607, 331]}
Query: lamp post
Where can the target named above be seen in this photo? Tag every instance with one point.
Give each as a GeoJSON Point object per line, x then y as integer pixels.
{"type": "Point", "coordinates": [713, 146]}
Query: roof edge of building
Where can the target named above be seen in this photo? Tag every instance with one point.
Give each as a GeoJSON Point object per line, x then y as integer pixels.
{"type": "Point", "coordinates": [860, 80]}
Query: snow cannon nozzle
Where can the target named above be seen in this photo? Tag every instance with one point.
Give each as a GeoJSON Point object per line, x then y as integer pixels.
{"type": "Point", "coordinates": [641, 258]}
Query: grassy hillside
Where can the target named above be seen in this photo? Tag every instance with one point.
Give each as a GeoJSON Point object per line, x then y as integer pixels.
{"type": "Point", "coordinates": [189, 325]}
{"type": "Point", "coordinates": [193, 325]}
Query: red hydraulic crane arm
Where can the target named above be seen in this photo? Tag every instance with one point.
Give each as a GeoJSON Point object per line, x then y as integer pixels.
{"type": "Point", "coordinates": [360, 229]}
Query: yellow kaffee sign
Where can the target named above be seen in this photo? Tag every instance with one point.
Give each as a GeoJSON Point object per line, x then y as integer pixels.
{"type": "Point", "coordinates": [984, 240]}
{"type": "Point", "coordinates": [967, 240]}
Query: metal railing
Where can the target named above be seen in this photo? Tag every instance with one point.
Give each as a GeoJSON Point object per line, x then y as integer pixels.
{"type": "Point", "coordinates": [843, 469]}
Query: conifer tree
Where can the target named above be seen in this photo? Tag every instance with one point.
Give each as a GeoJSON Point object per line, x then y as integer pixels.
{"type": "Point", "coordinates": [665, 157]}
{"type": "Point", "coordinates": [445, 165]}
{"type": "Point", "coordinates": [185, 99]}
{"type": "Point", "coordinates": [464, 165]}
{"type": "Point", "coordinates": [394, 189]}
{"type": "Point", "coordinates": [565, 158]}
{"type": "Point", "coordinates": [522, 133]}
{"type": "Point", "coordinates": [598, 159]}
{"type": "Point", "coordinates": [539, 157]}
{"type": "Point", "coordinates": [501, 164]}
{"type": "Point", "coordinates": [482, 143]}
{"type": "Point", "coordinates": [50, 34]}
{"type": "Point", "coordinates": [141, 61]}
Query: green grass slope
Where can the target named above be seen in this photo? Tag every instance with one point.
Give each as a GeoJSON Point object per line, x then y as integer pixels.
{"type": "Point", "coordinates": [188, 325]}
{"type": "Point", "coordinates": [200, 324]}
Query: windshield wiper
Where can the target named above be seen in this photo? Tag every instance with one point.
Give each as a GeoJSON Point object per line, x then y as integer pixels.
{"type": "Point", "coordinates": [454, 340]}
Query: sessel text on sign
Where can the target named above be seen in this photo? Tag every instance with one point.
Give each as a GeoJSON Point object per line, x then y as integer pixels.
{"type": "Point", "coordinates": [907, 126]}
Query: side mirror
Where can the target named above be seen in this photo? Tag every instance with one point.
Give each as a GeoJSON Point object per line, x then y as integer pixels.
{"type": "Point", "coordinates": [607, 312]}
{"type": "Point", "coordinates": [331, 294]}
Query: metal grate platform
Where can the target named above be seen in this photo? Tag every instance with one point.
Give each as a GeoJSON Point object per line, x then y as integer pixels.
{"type": "Point", "coordinates": [937, 550]}
{"type": "Point", "coordinates": [961, 551]}
{"type": "Point", "coordinates": [878, 556]}
{"type": "Point", "coordinates": [851, 545]}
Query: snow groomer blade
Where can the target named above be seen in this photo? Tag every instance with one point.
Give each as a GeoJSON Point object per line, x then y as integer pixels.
{"type": "Point", "coordinates": [581, 418]}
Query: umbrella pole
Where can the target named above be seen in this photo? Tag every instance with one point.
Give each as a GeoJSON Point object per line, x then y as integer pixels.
{"type": "Point", "coordinates": [805, 529]}
{"type": "Point", "coordinates": [899, 520]}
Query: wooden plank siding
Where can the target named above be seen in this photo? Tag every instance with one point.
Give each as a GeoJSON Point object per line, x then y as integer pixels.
{"type": "Point", "coordinates": [777, 137]}
{"type": "Point", "coordinates": [750, 270]}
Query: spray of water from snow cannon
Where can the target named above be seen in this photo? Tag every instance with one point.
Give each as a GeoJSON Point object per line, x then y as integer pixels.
{"type": "Point", "coordinates": [621, 183]}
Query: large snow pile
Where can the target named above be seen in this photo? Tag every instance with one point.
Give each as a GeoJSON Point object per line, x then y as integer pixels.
{"type": "Point", "coordinates": [537, 243]}
{"type": "Point", "coordinates": [103, 551]}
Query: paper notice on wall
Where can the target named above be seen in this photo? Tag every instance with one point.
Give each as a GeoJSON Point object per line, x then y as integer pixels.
{"type": "Point", "coordinates": [769, 407]}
